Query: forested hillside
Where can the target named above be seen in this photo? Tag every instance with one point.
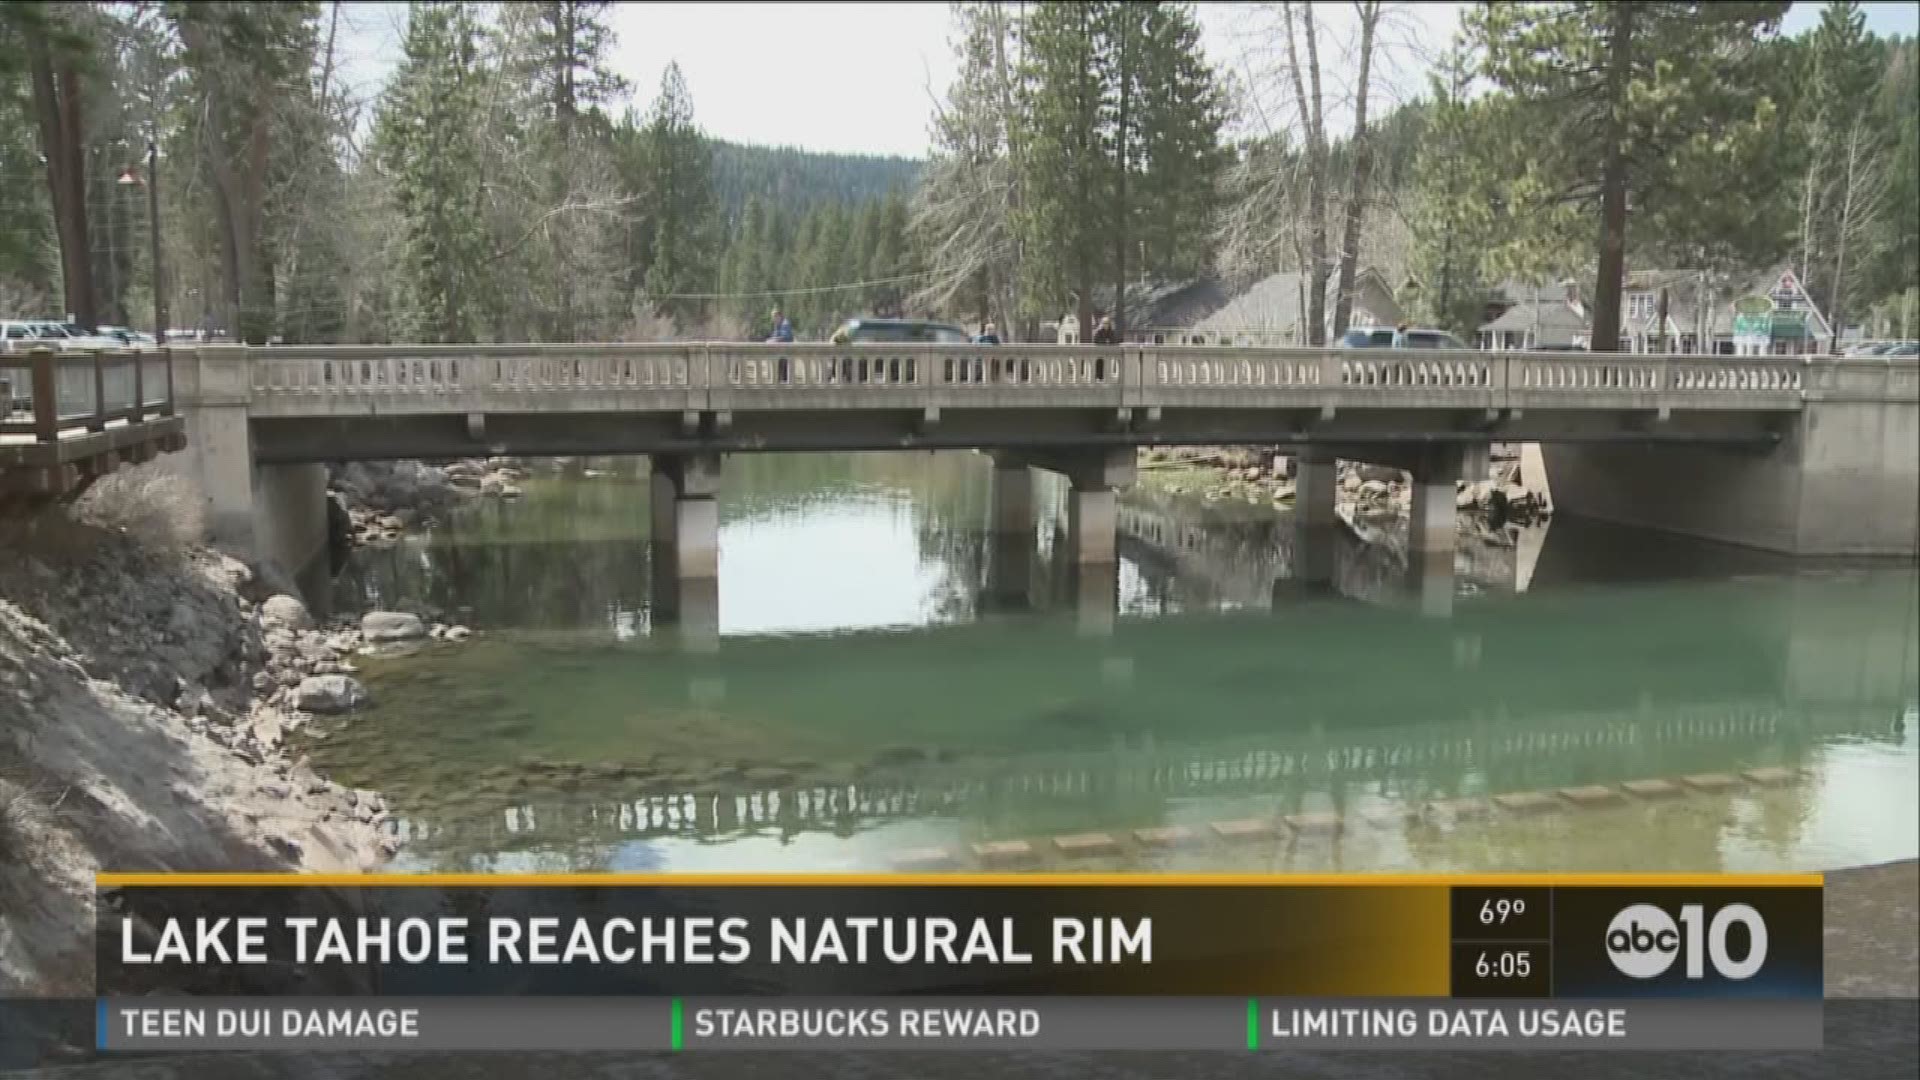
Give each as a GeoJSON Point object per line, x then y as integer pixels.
{"type": "Point", "coordinates": [800, 179]}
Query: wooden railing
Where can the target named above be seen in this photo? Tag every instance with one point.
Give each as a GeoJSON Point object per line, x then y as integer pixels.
{"type": "Point", "coordinates": [45, 394]}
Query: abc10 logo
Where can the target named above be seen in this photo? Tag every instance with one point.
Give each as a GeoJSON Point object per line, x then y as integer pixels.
{"type": "Point", "coordinates": [1763, 941]}
{"type": "Point", "coordinates": [1644, 941]}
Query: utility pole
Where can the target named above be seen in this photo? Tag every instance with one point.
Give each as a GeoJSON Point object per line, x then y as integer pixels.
{"type": "Point", "coordinates": [153, 237]}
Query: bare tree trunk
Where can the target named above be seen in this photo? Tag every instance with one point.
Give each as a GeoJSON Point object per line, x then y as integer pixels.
{"type": "Point", "coordinates": [1605, 334]}
{"type": "Point", "coordinates": [239, 194]}
{"type": "Point", "coordinates": [1120, 210]}
{"type": "Point", "coordinates": [1003, 79]}
{"type": "Point", "coordinates": [1859, 202]}
{"type": "Point", "coordinates": [57, 108]}
{"type": "Point", "coordinates": [1316, 308]}
{"type": "Point", "coordinates": [1357, 188]}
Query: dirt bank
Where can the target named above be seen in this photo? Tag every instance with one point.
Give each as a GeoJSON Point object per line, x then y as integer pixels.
{"type": "Point", "coordinates": [134, 730]}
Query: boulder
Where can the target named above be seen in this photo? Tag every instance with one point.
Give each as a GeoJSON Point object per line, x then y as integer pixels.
{"type": "Point", "coordinates": [382, 626]}
{"type": "Point", "coordinates": [458, 633]}
{"type": "Point", "coordinates": [1380, 473]}
{"type": "Point", "coordinates": [329, 694]}
{"type": "Point", "coordinates": [1374, 490]}
{"type": "Point", "coordinates": [285, 611]}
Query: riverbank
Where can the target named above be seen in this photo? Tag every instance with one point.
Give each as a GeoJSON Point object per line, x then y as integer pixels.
{"type": "Point", "coordinates": [1514, 488]}
{"type": "Point", "coordinates": [146, 686]}
{"type": "Point", "coordinates": [385, 499]}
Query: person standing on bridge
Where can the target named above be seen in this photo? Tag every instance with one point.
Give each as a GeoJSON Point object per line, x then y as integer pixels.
{"type": "Point", "coordinates": [987, 336]}
{"type": "Point", "coordinates": [1105, 334]}
{"type": "Point", "coordinates": [782, 330]}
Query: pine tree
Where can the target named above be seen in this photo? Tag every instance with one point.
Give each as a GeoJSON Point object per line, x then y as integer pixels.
{"type": "Point", "coordinates": [1058, 123]}
{"type": "Point", "coordinates": [425, 141]}
{"type": "Point", "coordinates": [1183, 110]}
{"type": "Point", "coordinates": [679, 202]}
{"type": "Point", "coordinates": [1454, 217]}
{"type": "Point", "coordinates": [1656, 104]}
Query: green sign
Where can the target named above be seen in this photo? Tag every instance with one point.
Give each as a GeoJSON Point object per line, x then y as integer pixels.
{"type": "Point", "coordinates": [1789, 324]}
{"type": "Point", "coordinates": [1780, 325]}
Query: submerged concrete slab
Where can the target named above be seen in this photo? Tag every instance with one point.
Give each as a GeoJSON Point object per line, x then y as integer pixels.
{"type": "Point", "coordinates": [1771, 776]}
{"type": "Point", "coordinates": [1247, 829]}
{"type": "Point", "coordinates": [1002, 854]}
{"type": "Point", "coordinates": [1165, 836]}
{"type": "Point", "coordinates": [1590, 795]}
{"type": "Point", "coordinates": [921, 859]}
{"type": "Point", "coordinates": [1711, 781]}
{"type": "Point", "coordinates": [1087, 845]}
{"type": "Point", "coordinates": [1464, 809]}
{"type": "Point", "coordinates": [1654, 788]}
{"type": "Point", "coordinates": [1526, 802]}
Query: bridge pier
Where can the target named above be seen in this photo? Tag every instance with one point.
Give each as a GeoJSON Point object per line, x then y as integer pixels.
{"type": "Point", "coordinates": [686, 514]}
{"type": "Point", "coordinates": [1096, 598]}
{"type": "Point", "coordinates": [1316, 480]}
{"type": "Point", "coordinates": [1012, 497]}
{"type": "Point", "coordinates": [1093, 508]}
{"type": "Point", "coordinates": [271, 513]}
{"type": "Point", "coordinates": [1432, 521]}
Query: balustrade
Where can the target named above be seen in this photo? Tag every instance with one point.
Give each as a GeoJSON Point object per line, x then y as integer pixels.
{"type": "Point", "coordinates": [728, 376]}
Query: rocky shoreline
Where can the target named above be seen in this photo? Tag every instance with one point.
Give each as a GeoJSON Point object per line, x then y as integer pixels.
{"type": "Point", "coordinates": [1367, 491]}
{"type": "Point", "coordinates": [382, 500]}
{"type": "Point", "coordinates": [147, 692]}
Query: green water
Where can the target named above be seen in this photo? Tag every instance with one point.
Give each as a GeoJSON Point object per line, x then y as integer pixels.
{"type": "Point", "coordinates": [874, 673]}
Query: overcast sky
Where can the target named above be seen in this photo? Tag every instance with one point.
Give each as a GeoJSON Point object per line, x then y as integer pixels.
{"type": "Point", "coordinates": [861, 78]}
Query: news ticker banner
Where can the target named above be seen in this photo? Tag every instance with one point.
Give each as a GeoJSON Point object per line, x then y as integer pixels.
{"type": "Point", "coordinates": [1059, 962]}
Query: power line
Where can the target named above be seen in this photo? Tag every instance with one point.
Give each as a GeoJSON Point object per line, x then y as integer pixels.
{"type": "Point", "coordinates": [778, 293]}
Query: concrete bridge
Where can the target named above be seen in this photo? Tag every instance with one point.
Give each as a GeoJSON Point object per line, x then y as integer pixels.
{"type": "Point", "coordinates": [1812, 456]}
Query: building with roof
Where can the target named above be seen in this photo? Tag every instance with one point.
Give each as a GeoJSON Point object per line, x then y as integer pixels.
{"type": "Point", "coordinates": [1157, 312]}
{"type": "Point", "coordinates": [1760, 312]}
{"type": "Point", "coordinates": [1272, 311]}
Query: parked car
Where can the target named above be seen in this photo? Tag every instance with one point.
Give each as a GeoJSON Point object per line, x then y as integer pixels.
{"type": "Point", "coordinates": [856, 331]}
{"type": "Point", "coordinates": [132, 339]}
{"type": "Point", "coordinates": [1903, 349]}
{"type": "Point", "coordinates": [1382, 337]}
{"type": "Point", "coordinates": [23, 334]}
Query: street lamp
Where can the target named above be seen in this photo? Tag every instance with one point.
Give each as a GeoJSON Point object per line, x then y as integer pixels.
{"type": "Point", "coordinates": [130, 177]}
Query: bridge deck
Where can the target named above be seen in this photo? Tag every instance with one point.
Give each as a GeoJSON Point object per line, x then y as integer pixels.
{"type": "Point", "coordinates": [311, 403]}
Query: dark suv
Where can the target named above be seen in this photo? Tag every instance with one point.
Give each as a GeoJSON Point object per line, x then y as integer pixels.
{"type": "Point", "coordinates": [899, 331]}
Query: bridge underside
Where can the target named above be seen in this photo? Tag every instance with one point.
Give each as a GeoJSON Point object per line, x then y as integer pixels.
{"type": "Point", "coordinates": [341, 438]}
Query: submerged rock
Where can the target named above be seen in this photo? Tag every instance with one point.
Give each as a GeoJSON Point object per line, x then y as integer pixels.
{"type": "Point", "coordinates": [329, 694]}
{"type": "Point", "coordinates": [384, 626]}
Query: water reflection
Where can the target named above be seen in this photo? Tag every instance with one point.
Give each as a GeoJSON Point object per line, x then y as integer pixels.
{"type": "Point", "coordinates": [875, 669]}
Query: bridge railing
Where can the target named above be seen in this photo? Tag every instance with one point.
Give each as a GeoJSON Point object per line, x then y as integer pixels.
{"type": "Point", "coordinates": [44, 393]}
{"type": "Point", "coordinates": [321, 380]}
{"type": "Point", "coordinates": [745, 377]}
{"type": "Point", "coordinates": [477, 378]}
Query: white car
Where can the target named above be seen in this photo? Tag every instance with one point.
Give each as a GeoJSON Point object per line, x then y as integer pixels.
{"type": "Point", "coordinates": [19, 335]}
